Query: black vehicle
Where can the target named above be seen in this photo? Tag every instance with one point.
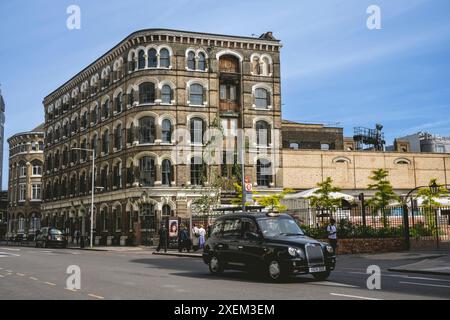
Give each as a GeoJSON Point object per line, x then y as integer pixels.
{"type": "Point", "coordinates": [272, 243]}
{"type": "Point", "coordinates": [50, 237]}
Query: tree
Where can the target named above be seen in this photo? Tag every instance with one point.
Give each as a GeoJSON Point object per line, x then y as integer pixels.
{"type": "Point", "coordinates": [237, 201]}
{"type": "Point", "coordinates": [384, 193]}
{"type": "Point", "coordinates": [273, 201]}
{"type": "Point", "coordinates": [322, 199]}
{"type": "Point", "coordinates": [430, 204]}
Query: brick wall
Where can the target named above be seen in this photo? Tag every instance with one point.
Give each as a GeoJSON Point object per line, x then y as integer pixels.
{"type": "Point", "coordinates": [355, 246]}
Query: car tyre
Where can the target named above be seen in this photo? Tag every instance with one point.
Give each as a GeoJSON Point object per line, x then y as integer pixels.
{"type": "Point", "coordinates": [215, 265]}
{"type": "Point", "coordinates": [322, 276]}
{"type": "Point", "coordinates": [275, 272]}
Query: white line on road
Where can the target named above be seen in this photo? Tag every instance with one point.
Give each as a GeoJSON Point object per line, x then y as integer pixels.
{"type": "Point", "coordinates": [20, 274]}
{"type": "Point", "coordinates": [354, 297]}
{"type": "Point", "coordinates": [424, 284]}
{"type": "Point", "coordinates": [50, 283]}
{"type": "Point", "coordinates": [1, 276]}
{"type": "Point", "coordinates": [34, 279]}
{"type": "Point", "coordinates": [333, 284]}
{"type": "Point", "coordinates": [9, 249]}
{"type": "Point", "coordinates": [405, 277]}
{"type": "Point", "coordinates": [95, 296]}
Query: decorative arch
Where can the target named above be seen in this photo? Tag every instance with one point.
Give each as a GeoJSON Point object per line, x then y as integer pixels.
{"type": "Point", "coordinates": [341, 160]}
{"type": "Point", "coordinates": [404, 161]}
{"type": "Point", "coordinates": [229, 52]}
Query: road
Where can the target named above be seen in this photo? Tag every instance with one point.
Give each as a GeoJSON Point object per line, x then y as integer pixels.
{"type": "Point", "coordinates": [30, 273]}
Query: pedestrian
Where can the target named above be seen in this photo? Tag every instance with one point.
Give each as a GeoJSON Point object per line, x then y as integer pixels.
{"type": "Point", "coordinates": [184, 239]}
{"type": "Point", "coordinates": [163, 238]}
{"type": "Point", "coordinates": [77, 236]}
{"type": "Point", "coordinates": [202, 236]}
{"type": "Point", "coordinates": [332, 234]}
{"type": "Point", "coordinates": [195, 237]}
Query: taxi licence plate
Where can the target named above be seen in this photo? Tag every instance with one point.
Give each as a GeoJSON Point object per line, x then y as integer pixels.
{"type": "Point", "coordinates": [318, 269]}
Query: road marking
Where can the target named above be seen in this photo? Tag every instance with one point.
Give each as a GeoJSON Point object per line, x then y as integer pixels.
{"type": "Point", "coordinates": [95, 296]}
{"type": "Point", "coordinates": [50, 283]}
{"type": "Point", "coordinates": [69, 289]}
{"type": "Point", "coordinates": [425, 284]}
{"type": "Point", "coordinates": [350, 296]}
{"type": "Point", "coordinates": [20, 274]}
{"type": "Point", "coordinates": [7, 254]}
{"type": "Point", "coordinates": [333, 284]}
{"type": "Point", "coordinates": [9, 271]}
{"type": "Point", "coordinates": [1, 276]}
{"type": "Point", "coordinates": [33, 278]}
{"type": "Point", "coordinates": [405, 277]}
{"type": "Point", "coordinates": [9, 249]}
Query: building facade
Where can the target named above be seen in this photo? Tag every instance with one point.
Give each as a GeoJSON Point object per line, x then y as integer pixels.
{"type": "Point", "coordinates": [25, 182]}
{"type": "Point", "coordinates": [299, 136]}
{"type": "Point", "coordinates": [423, 142]}
{"type": "Point", "coordinates": [2, 136]}
{"type": "Point", "coordinates": [350, 170]}
{"type": "Point", "coordinates": [145, 107]}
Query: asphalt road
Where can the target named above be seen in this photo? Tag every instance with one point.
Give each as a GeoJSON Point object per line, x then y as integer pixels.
{"type": "Point", "coordinates": [29, 273]}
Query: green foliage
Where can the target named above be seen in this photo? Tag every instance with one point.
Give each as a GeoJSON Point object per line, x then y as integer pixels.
{"type": "Point", "coordinates": [273, 201]}
{"type": "Point", "coordinates": [238, 190]}
{"type": "Point", "coordinates": [383, 195]}
{"type": "Point", "coordinates": [322, 200]}
{"type": "Point", "coordinates": [430, 204]}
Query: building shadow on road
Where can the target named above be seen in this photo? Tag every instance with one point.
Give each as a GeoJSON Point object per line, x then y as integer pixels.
{"type": "Point", "coordinates": [196, 269]}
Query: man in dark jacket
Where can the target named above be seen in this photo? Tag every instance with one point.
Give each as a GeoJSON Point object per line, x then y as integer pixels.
{"type": "Point", "coordinates": [163, 238]}
{"type": "Point", "coordinates": [184, 240]}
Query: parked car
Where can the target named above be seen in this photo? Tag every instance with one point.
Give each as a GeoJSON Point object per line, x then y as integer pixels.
{"type": "Point", "coordinates": [50, 237]}
{"type": "Point", "coordinates": [273, 244]}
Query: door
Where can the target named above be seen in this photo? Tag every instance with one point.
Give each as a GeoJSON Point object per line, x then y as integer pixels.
{"type": "Point", "coordinates": [252, 248]}
{"type": "Point", "coordinates": [228, 244]}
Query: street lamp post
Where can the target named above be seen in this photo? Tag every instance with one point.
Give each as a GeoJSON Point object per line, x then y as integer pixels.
{"type": "Point", "coordinates": [92, 193]}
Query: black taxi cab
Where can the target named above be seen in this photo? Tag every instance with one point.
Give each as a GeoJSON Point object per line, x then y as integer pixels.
{"type": "Point", "coordinates": [270, 243]}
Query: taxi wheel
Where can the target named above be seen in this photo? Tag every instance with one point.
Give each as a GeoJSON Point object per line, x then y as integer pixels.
{"type": "Point", "coordinates": [215, 266]}
{"type": "Point", "coordinates": [321, 276]}
{"type": "Point", "coordinates": [275, 271]}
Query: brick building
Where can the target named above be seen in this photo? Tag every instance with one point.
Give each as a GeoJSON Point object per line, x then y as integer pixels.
{"type": "Point", "coordinates": [131, 104]}
{"type": "Point", "coordinates": [25, 182]}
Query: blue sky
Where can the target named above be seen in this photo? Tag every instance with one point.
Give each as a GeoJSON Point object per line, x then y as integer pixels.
{"type": "Point", "coordinates": [334, 70]}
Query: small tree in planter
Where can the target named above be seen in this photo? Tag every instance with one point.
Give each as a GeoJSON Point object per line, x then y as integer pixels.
{"type": "Point", "coordinates": [383, 195]}
{"type": "Point", "coordinates": [429, 196]}
{"type": "Point", "coordinates": [322, 199]}
{"type": "Point", "coordinates": [273, 201]}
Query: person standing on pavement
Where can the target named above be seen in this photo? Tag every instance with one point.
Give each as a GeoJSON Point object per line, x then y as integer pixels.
{"type": "Point", "coordinates": [332, 234]}
{"type": "Point", "coordinates": [163, 238]}
{"type": "Point", "coordinates": [195, 237]}
{"type": "Point", "coordinates": [184, 239]}
{"type": "Point", "coordinates": [202, 236]}
{"type": "Point", "coordinates": [76, 235]}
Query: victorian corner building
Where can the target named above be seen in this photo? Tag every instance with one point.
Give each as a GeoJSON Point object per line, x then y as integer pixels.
{"type": "Point", "coordinates": [127, 106]}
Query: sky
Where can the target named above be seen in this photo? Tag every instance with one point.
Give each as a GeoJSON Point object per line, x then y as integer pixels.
{"type": "Point", "coordinates": [334, 69]}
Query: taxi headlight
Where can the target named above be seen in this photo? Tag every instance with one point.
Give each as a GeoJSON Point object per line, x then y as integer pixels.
{"type": "Point", "coordinates": [292, 251]}
{"type": "Point", "coordinates": [330, 249]}
{"type": "Point", "coordinates": [301, 253]}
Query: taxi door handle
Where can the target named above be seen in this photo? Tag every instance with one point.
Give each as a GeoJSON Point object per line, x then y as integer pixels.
{"type": "Point", "coordinates": [220, 246]}
{"type": "Point", "coordinates": [240, 247]}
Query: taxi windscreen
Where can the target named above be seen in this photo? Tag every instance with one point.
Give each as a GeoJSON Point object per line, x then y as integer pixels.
{"type": "Point", "coordinates": [274, 227]}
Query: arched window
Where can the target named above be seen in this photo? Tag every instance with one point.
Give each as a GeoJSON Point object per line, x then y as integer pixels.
{"type": "Point", "coordinates": [166, 94]}
{"type": "Point", "coordinates": [166, 131]}
{"type": "Point", "coordinates": [198, 171]}
{"type": "Point", "coordinates": [147, 171]}
{"type": "Point", "coordinates": [105, 113]}
{"type": "Point", "coordinates": [105, 140]}
{"type": "Point", "coordinates": [104, 178]}
{"type": "Point", "coordinates": [166, 172]}
{"type": "Point", "coordinates": [94, 144]}
{"type": "Point", "coordinates": [131, 96]}
{"type": "Point", "coordinates": [118, 137]}
{"type": "Point", "coordinates": [166, 210]}
{"type": "Point", "coordinates": [130, 135]}
{"type": "Point", "coordinates": [201, 61]}
{"type": "Point", "coordinates": [118, 218]}
{"type": "Point", "coordinates": [263, 136]}
{"type": "Point", "coordinates": [264, 173]}
{"type": "Point", "coordinates": [65, 156]}
{"type": "Point", "coordinates": [147, 130]}
{"type": "Point", "coordinates": [152, 59]}
{"type": "Point", "coordinates": [94, 115]}
{"type": "Point", "coordinates": [84, 120]}
{"type": "Point", "coordinates": [83, 183]}
{"type": "Point", "coordinates": [117, 175]}
{"type": "Point", "coordinates": [104, 218]}
{"type": "Point", "coordinates": [196, 95]}
{"type": "Point", "coordinates": [197, 129]}
{"type": "Point", "coordinates": [147, 92]}
{"type": "Point", "coordinates": [57, 159]}
{"type": "Point", "coordinates": [119, 103]}
{"type": "Point", "coordinates": [141, 59]}
{"type": "Point", "coordinates": [265, 66]}
{"type": "Point", "coordinates": [164, 58]}
{"type": "Point", "coordinates": [191, 60]}
{"type": "Point", "coordinates": [84, 152]}
{"type": "Point", "coordinates": [262, 98]}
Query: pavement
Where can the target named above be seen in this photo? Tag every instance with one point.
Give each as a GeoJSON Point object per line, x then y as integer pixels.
{"type": "Point", "coordinates": [436, 266]}
{"type": "Point", "coordinates": [44, 274]}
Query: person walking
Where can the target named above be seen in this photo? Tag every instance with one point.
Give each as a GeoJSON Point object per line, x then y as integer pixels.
{"type": "Point", "coordinates": [184, 239]}
{"type": "Point", "coordinates": [163, 238]}
{"type": "Point", "coordinates": [195, 237]}
{"type": "Point", "coordinates": [332, 234]}
{"type": "Point", "coordinates": [202, 236]}
{"type": "Point", "coordinates": [77, 236]}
